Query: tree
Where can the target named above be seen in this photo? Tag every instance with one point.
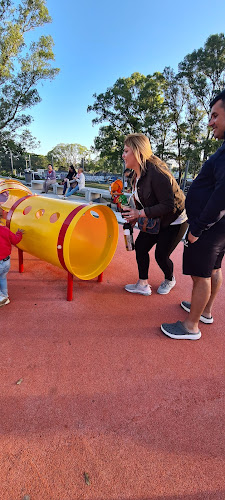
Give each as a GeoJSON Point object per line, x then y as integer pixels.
{"type": "Point", "coordinates": [175, 99]}
{"type": "Point", "coordinates": [11, 151]}
{"type": "Point", "coordinates": [22, 67]}
{"type": "Point", "coordinates": [132, 105]}
{"type": "Point", "coordinates": [68, 154]}
{"type": "Point", "coordinates": [19, 147]}
{"type": "Point", "coordinates": [38, 161]}
{"type": "Point", "coordinates": [171, 109]}
{"type": "Point", "coordinates": [195, 129]}
{"type": "Point", "coordinates": [110, 143]}
{"type": "Point", "coordinates": [27, 141]}
{"type": "Point", "coordinates": [204, 72]}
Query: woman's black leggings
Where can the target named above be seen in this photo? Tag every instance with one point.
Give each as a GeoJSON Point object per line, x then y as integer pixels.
{"type": "Point", "coordinates": [166, 241]}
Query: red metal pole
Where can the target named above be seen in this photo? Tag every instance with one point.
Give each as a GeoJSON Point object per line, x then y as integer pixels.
{"type": "Point", "coordinates": [100, 277]}
{"type": "Point", "coordinates": [20, 256]}
{"type": "Point", "coordinates": [69, 286]}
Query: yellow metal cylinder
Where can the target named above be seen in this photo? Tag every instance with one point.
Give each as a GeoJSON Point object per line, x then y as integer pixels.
{"type": "Point", "coordinates": [80, 238]}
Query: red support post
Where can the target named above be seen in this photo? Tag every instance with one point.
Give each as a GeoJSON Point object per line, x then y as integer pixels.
{"type": "Point", "coordinates": [69, 287]}
{"type": "Point", "coordinates": [100, 277]}
{"type": "Point", "coordinates": [20, 256]}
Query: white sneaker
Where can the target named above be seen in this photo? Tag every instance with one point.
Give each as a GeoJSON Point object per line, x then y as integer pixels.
{"type": "Point", "coordinates": [4, 302]}
{"type": "Point", "coordinates": [166, 286]}
{"type": "Point", "coordinates": [137, 288]}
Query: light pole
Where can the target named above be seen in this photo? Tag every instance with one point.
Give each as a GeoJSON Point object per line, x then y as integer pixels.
{"type": "Point", "coordinates": [185, 174]}
{"type": "Point", "coordinates": [11, 159]}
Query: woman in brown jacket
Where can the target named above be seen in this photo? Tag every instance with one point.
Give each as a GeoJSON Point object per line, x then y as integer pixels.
{"type": "Point", "coordinates": [156, 194]}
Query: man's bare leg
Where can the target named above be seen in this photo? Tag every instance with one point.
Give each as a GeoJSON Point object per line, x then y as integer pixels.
{"type": "Point", "coordinates": [200, 297]}
{"type": "Point", "coordinates": [216, 282]}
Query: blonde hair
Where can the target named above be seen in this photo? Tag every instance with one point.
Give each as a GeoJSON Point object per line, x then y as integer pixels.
{"type": "Point", "coordinates": [141, 148]}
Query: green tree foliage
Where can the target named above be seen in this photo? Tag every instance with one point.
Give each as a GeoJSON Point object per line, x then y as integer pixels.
{"type": "Point", "coordinates": [22, 67]}
{"type": "Point", "coordinates": [132, 105]}
{"type": "Point", "coordinates": [192, 145]}
{"type": "Point", "coordinates": [27, 141]}
{"type": "Point", "coordinates": [204, 74]}
{"type": "Point", "coordinates": [11, 149]}
{"type": "Point", "coordinates": [175, 99]}
{"type": "Point", "coordinates": [68, 154]}
{"type": "Point", "coordinates": [38, 161]}
{"type": "Point", "coordinates": [204, 70]}
{"type": "Point", "coordinates": [110, 144]}
{"type": "Point", "coordinates": [171, 109]}
{"type": "Point", "coordinates": [18, 146]}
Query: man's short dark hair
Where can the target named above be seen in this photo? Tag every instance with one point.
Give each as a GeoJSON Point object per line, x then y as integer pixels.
{"type": "Point", "coordinates": [219, 97]}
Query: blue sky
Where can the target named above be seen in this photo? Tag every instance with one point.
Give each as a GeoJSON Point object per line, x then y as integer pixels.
{"type": "Point", "coordinates": [97, 42]}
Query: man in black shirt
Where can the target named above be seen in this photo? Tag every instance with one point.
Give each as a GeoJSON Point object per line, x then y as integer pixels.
{"type": "Point", "coordinates": [205, 242]}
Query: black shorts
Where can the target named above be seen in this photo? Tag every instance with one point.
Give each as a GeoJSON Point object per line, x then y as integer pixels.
{"type": "Point", "coordinates": [206, 254]}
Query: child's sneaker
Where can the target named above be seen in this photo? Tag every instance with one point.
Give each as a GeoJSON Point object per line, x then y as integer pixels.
{"type": "Point", "coordinates": [5, 301]}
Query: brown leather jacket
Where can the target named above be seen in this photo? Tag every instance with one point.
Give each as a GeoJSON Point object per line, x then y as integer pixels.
{"type": "Point", "coordinates": [159, 194]}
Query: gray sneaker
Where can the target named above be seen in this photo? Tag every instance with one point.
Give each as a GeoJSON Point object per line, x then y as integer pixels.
{"type": "Point", "coordinates": [166, 286]}
{"type": "Point", "coordinates": [137, 288]}
{"type": "Point", "coordinates": [187, 307]}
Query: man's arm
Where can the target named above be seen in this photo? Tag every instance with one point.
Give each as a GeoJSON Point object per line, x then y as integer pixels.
{"type": "Point", "coordinates": [215, 207]}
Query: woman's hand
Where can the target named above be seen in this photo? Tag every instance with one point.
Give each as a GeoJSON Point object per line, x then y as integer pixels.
{"type": "Point", "coordinates": [130, 214]}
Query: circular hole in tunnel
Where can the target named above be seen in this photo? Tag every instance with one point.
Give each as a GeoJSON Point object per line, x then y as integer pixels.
{"type": "Point", "coordinates": [4, 196]}
{"type": "Point", "coordinates": [40, 213]}
{"type": "Point", "coordinates": [54, 217]}
{"type": "Point", "coordinates": [94, 214]}
{"type": "Point", "coordinates": [27, 210]}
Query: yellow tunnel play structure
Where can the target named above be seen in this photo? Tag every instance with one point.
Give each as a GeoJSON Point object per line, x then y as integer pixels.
{"type": "Point", "coordinates": [79, 238]}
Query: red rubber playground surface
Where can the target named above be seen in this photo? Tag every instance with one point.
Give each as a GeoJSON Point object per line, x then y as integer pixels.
{"type": "Point", "coordinates": [96, 403]}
